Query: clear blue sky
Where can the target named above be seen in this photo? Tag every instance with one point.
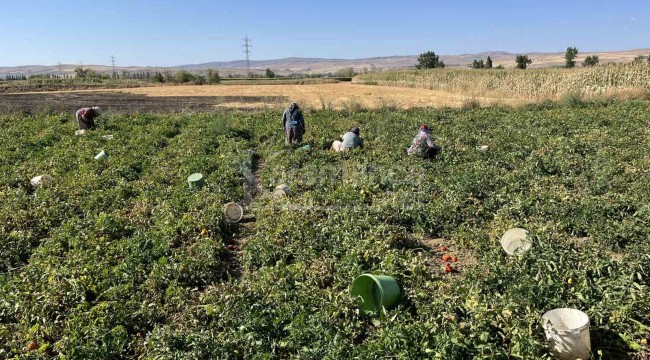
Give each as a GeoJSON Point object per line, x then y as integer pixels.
{"type": "Point", "coordinates": [175, 32]}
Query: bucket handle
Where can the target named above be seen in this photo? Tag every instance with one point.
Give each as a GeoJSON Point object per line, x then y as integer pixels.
{"type": "Point", "coordinates": [548, 326]}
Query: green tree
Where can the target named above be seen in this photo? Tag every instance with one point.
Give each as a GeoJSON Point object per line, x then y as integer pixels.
{"type": "Point", "coordinates": [488, 63]}
{"type": "Point", "coordinates": [478, 64]}
{"type": "Point", "coordinates": [158, 77]}
{"type": "Point", "coordinates": [591, 60]}
{"type": "Point", "coordinates": [570, 56]}
{"type": "Point", "coordinates": [213, 76]}
{"type": "Point", "coordinates": [345, 72]}
{"type": "Point", "coordinates": [523, 61]}
{"type": "Point", "coordinates": [429, 60]}
{"type": "Point", "coordinates": [269, 73]}
{"type": "Point", "coordinates": [183, 76]}
{"type": "Point", "coordinates": [641, 59]}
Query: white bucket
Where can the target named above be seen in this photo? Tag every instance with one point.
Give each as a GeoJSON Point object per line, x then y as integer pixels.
{"type": "Point", "coordinates": [107, 137]}
{"type": "Point", "coordinates": [281, 190]}
{"type": "Point", "coordinates": [567, 331]}
{"type": "Point", "coordinates": [483, 148]}
{"type": "Point", "coordinates": [101, 155]}
{"type": "Point", "coordinates": [80, 132]}
{"type": "Point", "coordinates": [42, 180]}
{"type": "Point", "coordinates": [234, 212]}
{"type": "Point", "coordinates": [515, 241]}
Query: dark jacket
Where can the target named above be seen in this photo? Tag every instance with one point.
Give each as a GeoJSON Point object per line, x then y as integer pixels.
{"type": "Point", "coordinates": [293, 115]}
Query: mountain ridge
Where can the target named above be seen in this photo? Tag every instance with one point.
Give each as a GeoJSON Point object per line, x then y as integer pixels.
{"type": "Point", "coordinates": [293, 65]}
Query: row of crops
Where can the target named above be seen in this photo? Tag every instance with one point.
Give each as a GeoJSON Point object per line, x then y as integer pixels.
{"type": "Point", "coordinates": [120, 259]}
{"type": "Point", "coordinates": [514, 83]}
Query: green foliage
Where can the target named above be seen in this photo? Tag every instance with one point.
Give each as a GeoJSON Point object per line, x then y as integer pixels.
{"type": "Point", "coordinates": [488, 63]}
{"type": "Point", "coordinates": [213, 76]}
{"type": "Point", "coordinates": [570, 56]}
{"type": "Point", "coordinates": [183, 76]}
{"type": "Point", "coordinates": [269, 73]}
{"type": "Point", "coordinates": [120, 259]}
{"type": "Point", "coordinates": [642, 59]}
{"type": "Point", "coordinates": [478, 64]}
{"type": "Point", "coordinates": [523, 61]}
{"type": "Point", "coordinates": [84, 73]}
{"type": "Point", "coordinates": [345, 72]}
{"type": "Point", "coordinates": [591, 60]}
{"type": "Point", "coordinates": [429, 60]}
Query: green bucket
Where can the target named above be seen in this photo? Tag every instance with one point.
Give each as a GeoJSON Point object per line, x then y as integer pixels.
{"type": "Point", "coordinates": [195, 181]}
{"type": "Point", "coordinates": [377, 292]}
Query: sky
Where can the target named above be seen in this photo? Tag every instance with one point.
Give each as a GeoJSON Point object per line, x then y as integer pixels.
{"type": "Point", "coordinates": [173, 32]}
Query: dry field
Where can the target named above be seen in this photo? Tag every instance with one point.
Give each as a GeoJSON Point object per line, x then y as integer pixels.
{"type": "Point", "coordinates": [208, 97]}
{"type": "Point", "coordinates": [335, 96]}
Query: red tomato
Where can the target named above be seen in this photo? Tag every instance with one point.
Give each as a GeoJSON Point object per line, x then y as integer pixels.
{"type": "Point", "coordinates": [32, 346]}
{"type": "Point", "coordinates": [446, 257]}
{"type": "Point", "coordinates": [443, 248]}
{"type": "Point", "coordinates": [448, 268]}
{"type": "Point", "coordinates": [454, 259]}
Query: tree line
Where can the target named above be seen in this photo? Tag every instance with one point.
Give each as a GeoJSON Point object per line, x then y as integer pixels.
{"type": "Point", "coordinates": [429, 60]}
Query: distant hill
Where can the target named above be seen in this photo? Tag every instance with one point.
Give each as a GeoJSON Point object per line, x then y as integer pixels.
{"type": "Point", "coordinates": [295, 65]}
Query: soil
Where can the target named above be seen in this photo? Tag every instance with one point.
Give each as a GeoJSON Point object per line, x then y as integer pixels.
{"type": "Point", "coordinates": [466, 257]}
{"type": "Point", "coordinates": [194, 98]}
{"type": "Point", "coordinates": [122, 102]}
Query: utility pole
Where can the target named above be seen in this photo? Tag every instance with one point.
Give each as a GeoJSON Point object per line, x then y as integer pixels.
{"type": "Point", "coordinates": [113, 63]}
{"type": "Point", "coordinates": [247, 50]}
{"type": "Point", "coordinates": [60, 69]}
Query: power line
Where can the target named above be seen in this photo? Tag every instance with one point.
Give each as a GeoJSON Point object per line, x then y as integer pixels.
{"type": "Point", "coordinates": [113, 63]}
{"type": "Point", "coordinates": [247, 50]}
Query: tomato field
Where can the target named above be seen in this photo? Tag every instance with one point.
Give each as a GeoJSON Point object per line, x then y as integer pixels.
{"type": "Point", "coordinates": [119, 258]}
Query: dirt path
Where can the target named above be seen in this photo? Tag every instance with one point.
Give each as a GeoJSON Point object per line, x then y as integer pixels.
{"type": "Point", "coordinates": [246, 227]}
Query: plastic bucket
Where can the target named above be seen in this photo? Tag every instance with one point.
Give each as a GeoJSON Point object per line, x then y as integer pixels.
{"type": "Point", "coordinates": [107, 137]}
{"type": "Point", "coordinates": [196, 181]}
{"type": "Point", "coordinates": [515, 241]}
{"type": "Point", "coordinates": [281, 190]}
{"type": "Point", "coordinates": [376, 291]}
{"type": "Point", "coordinates": [101, 155]}
{"type": "Point", "coordinates": [80, 132]}
{"type": "Point", "coordinates": [483, 148]}
{"type": "Point", "coordinates": [305, 148]}
{"type": "Point", "coordinates": [567, 331]}
{"type": "Point", "coordinates": [234, 212]}
{"type": "Point", "coordinates": [42, 180]}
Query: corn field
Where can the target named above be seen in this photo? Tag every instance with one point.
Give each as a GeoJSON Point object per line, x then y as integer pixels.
{"type": "Point", "coordinates": [527, 84]}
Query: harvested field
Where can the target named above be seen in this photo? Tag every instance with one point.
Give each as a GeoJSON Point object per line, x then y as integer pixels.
{"type": "Point", "coordinates": [120, 102]}
{"type": "Point", "coordinates": [210, 97]}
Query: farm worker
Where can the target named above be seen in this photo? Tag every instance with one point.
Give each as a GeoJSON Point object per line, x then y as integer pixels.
{"type": "Point", "coordinates": [293, 123]}
{"type": "Point", "coordinates": [86, 117]}
{"type": "Point", "coordinates": [351, 140]}
{"type": "Point", "coordinates": [422, 145]}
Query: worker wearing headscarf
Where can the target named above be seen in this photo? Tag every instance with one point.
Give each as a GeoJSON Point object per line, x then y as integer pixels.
{"type": "Point", "coordinates": [351, 140]}
{"type": "Point", "coordinates": [293, 123]}
{"type": "Point", "coordinates": [422, 145]}
{"type": "Point", "coordinates": [86, 117]}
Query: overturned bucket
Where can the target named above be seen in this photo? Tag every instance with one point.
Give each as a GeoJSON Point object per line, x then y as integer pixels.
{"type": "Point", "coordinates": [567, 331]}
{"type": "Point", "coordinates": [483, 148]}
{"type": "Point", "coordinates": [515, 241]}
{"type": "Point", "coordinates": [377, 292]}
{"type": "Point", "coordinates": [234, 212]}
{"type": "Point", "coordinates": [101, 155]}
{"type": "Point", "coordinates": [196, 181]}
{"type": "Point", "coordinates": [42, 180]}
{"type": "Point", "coordinates": [281, 190]}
